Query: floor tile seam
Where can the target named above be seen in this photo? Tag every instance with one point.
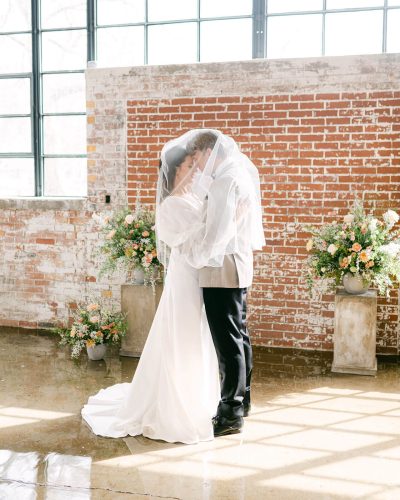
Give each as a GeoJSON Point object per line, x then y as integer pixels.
{"type": "Point", "coordinates": [90, 488]}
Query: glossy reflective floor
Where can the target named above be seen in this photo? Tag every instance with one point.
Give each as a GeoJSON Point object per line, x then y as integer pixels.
{"type": "Point", "coordinates": [312, 435]}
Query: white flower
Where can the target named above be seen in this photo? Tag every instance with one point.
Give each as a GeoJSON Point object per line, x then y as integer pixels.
{"type": "Point", "coordinates": [373, 224]}
{"type": "Point", "coordinates": [353, 269]}
{"type": "Point", "coordinates": [309, 245]}
{"type": "Point", "coordinates": [332, 249]}
{"type": "Point", "coordinates": [391, 249]}
{"type": "Point", "coordinates": [349, 218]}
{"type": "Point", "coordinates": [129, 219]}
{"type": "Point", "coordinates": [390, 217]}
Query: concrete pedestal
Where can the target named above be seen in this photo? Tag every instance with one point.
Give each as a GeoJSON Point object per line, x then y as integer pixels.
{"type": "Point", "coordinates": [355, 333]}
{"type": "Point", "coordinates": [139, 303]}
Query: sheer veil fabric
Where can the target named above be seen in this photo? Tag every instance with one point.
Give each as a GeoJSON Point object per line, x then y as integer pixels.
{"type": "Point", "coordinates": [175, 389]}
{"type": "Point", "coordinates": [225, 185]}
{"type": "Point", "coordinates": [201, 216]}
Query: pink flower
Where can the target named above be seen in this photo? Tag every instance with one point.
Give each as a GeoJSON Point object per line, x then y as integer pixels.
{"type": "Point", "coordinates": [356, 247]}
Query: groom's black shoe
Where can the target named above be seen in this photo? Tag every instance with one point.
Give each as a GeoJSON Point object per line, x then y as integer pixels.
{"type": "Point", "coordinates": [224, 426]}
{"type": "Point", "coordinates": [246, 409]}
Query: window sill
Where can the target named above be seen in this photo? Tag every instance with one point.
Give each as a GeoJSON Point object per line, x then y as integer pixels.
{"type": "Point", "coordinates": [42, 203]}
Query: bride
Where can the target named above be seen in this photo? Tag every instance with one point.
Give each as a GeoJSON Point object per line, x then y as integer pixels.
{"type": "Point", "coordinates": [175, 390]}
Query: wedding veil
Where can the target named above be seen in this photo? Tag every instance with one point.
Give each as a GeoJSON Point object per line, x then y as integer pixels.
{"type": "Point", "coordinates": [221, 189]}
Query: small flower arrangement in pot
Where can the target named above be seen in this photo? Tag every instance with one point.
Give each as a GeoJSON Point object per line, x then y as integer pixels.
{"type": "Point", "coordinates": [94, 327]}
{"type": "Point", "coordinates": [130, 244]}
{"type": "Point", "coordinates": [360, 251]}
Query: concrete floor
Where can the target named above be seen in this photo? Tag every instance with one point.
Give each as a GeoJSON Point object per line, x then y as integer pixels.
{"type": "Point", "coordinates": [312, 435]}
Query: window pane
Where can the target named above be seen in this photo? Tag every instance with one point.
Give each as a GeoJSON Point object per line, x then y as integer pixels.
{"type": "Point", "coordinates": [293, 5]}
{"type": "Point", "coordinates": [64, 93]}
{"type": "Point", "coordinates": [64, 134]}
{"type": "Point", "coordinates": [63, 13]}
{"type": "Point", "coordinates": [353, 33]}
{"type": "Point", "coordinates": [120, 11]}
{"type": "Point", "coordinates": [15, 135]}
{"type": "Point", "coordinates": [120, 46]}
{"type": "Point", "coordinates": [16, 53]}
{"type": "Point", "coordinates": [354, 4]}
{"type": "Point", "coordinates": [65, 177]}
{"type": "Point", "coordinates": [15, 96]}
{"type": "Point", "coordinates": [173, 43]}
{"type": "Point", "coordinates": [160, 10]}
{"type": "Point", "coordinates": [393, 31]}
{"type": "Point", "coordinates": [17, 177]}
{"type": "Point", "coordinates": [234, 45]}
{"type": "Point", "coordinates": [211, 8]}
{"type": "Point", "coordinates": [64, 50]}
{"type": "Point", "coordinates": [294, 36]}
{"type": "Point", "coordinates": [15, 16]}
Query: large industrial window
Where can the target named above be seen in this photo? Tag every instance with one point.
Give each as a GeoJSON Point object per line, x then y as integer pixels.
{"type": "Point", "coordinates": [45, 46]}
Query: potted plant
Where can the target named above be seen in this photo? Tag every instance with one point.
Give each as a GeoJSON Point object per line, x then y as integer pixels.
{"type": "Point", "coordinates": [94, 327]}
{"type": "Point", "coordinates": [130, 245]}
{"type": "Point", "coordinates": [359, 251]}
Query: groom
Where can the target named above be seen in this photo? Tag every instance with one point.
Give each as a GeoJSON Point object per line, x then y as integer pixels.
{"type": "Point", "coordinates": [225, 287]}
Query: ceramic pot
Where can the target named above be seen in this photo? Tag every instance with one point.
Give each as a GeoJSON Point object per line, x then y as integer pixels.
{"type": "Point", "coordinates": [137, 276]}
{"type": "Point", "coordinates": [355, 284]}
{"type": "Point", "coordinates": [96, 352]}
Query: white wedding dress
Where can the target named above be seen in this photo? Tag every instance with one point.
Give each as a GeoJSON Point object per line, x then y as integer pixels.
{"type": "Point", "coordinates": [175, 389]}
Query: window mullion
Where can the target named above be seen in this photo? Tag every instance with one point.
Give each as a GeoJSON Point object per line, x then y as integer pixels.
{"type": "Point", "coordinates": [37, 99]}
{"type": "Point", "coordinates": [91, 30]}
{"type": "Point", "coordinates": [258, 29]}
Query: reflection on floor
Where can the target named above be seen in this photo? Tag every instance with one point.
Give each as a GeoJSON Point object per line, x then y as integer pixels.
{"type": "Point", "coordinates": [312, 435]}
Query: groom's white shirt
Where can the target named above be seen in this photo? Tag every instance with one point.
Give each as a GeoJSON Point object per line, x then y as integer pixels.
{"type": "Point", "coordinates": [237, 268]}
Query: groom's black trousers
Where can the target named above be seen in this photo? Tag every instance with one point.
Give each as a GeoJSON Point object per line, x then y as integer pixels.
{"type": "Point", "coordinates": [226, 314]}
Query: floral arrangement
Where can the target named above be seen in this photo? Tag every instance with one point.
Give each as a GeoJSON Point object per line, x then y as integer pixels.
{"type": "Point", "coordinates": [93, 325]}
{"type": "Point", "coordinates": [130, 242]}
{"type": "Point", "coordinates": [360, 244]}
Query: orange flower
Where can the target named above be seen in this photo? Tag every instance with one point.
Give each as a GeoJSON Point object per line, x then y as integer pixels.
{"type": "Point", "coordinates": [371, 263]}
{"type": "Point", "coordinates": [356, 247]}
{"type": "Point", "coordinates": [145, 234]}
{"type": "Point", "coordinates": [344, 262]}
{"type": "Point", "coordinates": [93, 307]}
{"type": "Point", "coordinates": [364, 257]}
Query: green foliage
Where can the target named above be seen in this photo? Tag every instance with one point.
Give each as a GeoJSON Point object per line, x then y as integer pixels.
{"type": "Point", "coordinates": [129, 242]}
{"type": "Point", "coordinates": [360, 244]}
{"type": "Point", "coordinates": [93, 324]}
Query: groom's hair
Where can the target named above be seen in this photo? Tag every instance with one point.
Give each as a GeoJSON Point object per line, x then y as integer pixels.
{"type": "Point", "coordinates": [201, 142]}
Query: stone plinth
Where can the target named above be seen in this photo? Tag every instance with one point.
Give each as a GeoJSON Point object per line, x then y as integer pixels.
{"type": "Point", "coordinates": [355, 333]}
{"type": "Point", "coordinates": [139, 303]}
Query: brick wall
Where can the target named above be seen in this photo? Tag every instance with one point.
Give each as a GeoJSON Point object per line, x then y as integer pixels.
{"type": "Point", "coordinates": [320, 131]}
{"type": "Point", "coordinates": [315, 152]}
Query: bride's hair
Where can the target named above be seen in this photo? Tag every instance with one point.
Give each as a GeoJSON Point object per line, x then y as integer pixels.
{"type": "Point", "coordinates": [174, 157]}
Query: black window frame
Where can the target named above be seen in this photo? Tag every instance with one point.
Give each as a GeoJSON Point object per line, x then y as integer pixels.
{"type": "Point", "coordinates": [259, 17]}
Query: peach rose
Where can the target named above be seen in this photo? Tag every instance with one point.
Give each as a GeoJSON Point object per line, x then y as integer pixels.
{"type": "Point", "coordinates": [364, 257]}
{"type": "Point", "coordinates": [356, 247]}
{"type": "Point", "coordinates": [344, 262]}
